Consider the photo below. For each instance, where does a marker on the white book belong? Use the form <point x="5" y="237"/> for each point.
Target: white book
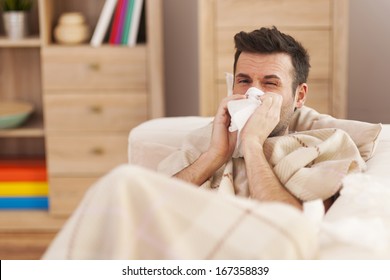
<point x="103" y="22"/>
<point x="135" y="22"/>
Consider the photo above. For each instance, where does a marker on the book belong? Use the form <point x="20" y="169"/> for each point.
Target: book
<point x="23" y="170"/>
<point x="22" y="173"/>
<point x="13" y="189"/>
<point x="21" y="203"/>
<point x="135" y="22"/>
<point x="122" y="22"/>
<point x="103" y="23"/>
<point x="126" y="29"/>
<point x="115" y="28"/>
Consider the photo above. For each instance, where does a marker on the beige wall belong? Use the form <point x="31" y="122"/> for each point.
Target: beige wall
<point x="181" y="57"/>
<point x="369" y="59"/>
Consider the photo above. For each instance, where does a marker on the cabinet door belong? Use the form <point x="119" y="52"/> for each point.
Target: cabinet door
<point x="67" y="193"/>
<point x="94" y="110"/>
<point x="85" y="154"/>
<point x="94" y="68"/>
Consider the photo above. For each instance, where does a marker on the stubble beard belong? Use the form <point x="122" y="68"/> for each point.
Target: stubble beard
<point x="281" y="128"/>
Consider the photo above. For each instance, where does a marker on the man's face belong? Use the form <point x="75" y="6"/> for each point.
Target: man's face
<point x="269" y="73"/>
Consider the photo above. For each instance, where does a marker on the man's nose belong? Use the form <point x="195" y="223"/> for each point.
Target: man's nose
<point x="258" y="86"/>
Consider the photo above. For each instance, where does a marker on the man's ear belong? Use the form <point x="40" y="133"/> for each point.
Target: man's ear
<point x="300" y="95"/>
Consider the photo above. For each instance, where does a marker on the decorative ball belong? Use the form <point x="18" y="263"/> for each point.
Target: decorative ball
<point x="71" y="29"/>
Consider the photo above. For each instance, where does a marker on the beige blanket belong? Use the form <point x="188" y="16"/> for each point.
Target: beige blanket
<point x="310" y="164"/>
<point x="135" y="213"/>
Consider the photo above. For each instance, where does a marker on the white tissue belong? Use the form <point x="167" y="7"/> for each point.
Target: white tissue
<point x="240" y="111"/>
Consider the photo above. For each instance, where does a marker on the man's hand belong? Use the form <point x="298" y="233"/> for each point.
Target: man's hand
<point x="221" y="148"/>
<point x="223" y="141"/>
<point x="264" y="119"/>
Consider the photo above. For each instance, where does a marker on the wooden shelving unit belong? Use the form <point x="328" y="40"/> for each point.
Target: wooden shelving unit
<point x="96" y="89"/>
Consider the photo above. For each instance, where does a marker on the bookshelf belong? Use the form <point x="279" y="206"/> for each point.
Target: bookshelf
<point x="86" y="101"/>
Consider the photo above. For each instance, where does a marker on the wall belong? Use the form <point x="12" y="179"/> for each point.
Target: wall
<point x="369" y="60"/>
<point x="181" y="57"/>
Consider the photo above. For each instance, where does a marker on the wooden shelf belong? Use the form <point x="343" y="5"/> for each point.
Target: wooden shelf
<point x="32" y="128"/>
<point x="30" y="42"/>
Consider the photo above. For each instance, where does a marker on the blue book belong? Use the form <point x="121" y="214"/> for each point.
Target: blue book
<point x="22" y="203"/>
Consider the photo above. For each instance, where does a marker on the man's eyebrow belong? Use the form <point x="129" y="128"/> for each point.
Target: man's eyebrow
<point x="242" y="75"/>
<point x="273" y="76"/>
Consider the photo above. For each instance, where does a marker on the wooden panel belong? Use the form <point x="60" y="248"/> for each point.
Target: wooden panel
<point x="24" y="246"/>
<point x="94" y="68"/>
<point x="298" y="13"/>
<point x="155" y="55"/>
<point x="18" y="82"/>
<point x="339" y="98"/>
<point x="86" y="155"/>
<point x="317" y="42"/>
<point x="66" y="193"/>
<point x="318" y="96"/>
<point x="95" y="111"/>
<point x="29" y="221"/>
<point x="22" y="146"/>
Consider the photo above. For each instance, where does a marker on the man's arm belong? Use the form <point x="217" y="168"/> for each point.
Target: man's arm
<point x="221" y="148"/>
<point x="263" y="183"/>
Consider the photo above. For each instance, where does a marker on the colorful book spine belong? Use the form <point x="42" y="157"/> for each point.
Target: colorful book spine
<point x="122" y="22"/>
<point x="135" y="22"/>
<point x="24" y="189"/>
<point x="115" y="28"/>
<point x="129" y="14"/>
<point x="22" y="203"/>
<point x="23" y="185"/>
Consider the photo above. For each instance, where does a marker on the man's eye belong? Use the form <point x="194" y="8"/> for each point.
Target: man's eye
<point x="243" y="81"/>
<point x="271" y="83"/>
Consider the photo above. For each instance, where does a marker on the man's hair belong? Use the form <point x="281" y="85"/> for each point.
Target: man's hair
<point x="271" y="41"/>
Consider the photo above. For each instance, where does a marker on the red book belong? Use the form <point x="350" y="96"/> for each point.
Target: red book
<point x="116" y="23"/>
<point x="122" y="19"/>
<point x="23" y="170"/>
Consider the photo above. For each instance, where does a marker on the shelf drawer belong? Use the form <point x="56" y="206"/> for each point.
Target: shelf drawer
<point x="297" y="13"/>
<point x="94" y="111"/>
<point x="91" y="154"/>
<point x="94" y="68"/>
<point x="66" y="194"/>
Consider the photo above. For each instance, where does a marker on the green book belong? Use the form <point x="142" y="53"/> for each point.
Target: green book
<point x="129" y="14"/>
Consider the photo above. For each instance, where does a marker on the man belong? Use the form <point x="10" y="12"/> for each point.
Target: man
<point x="278" y="65"/>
